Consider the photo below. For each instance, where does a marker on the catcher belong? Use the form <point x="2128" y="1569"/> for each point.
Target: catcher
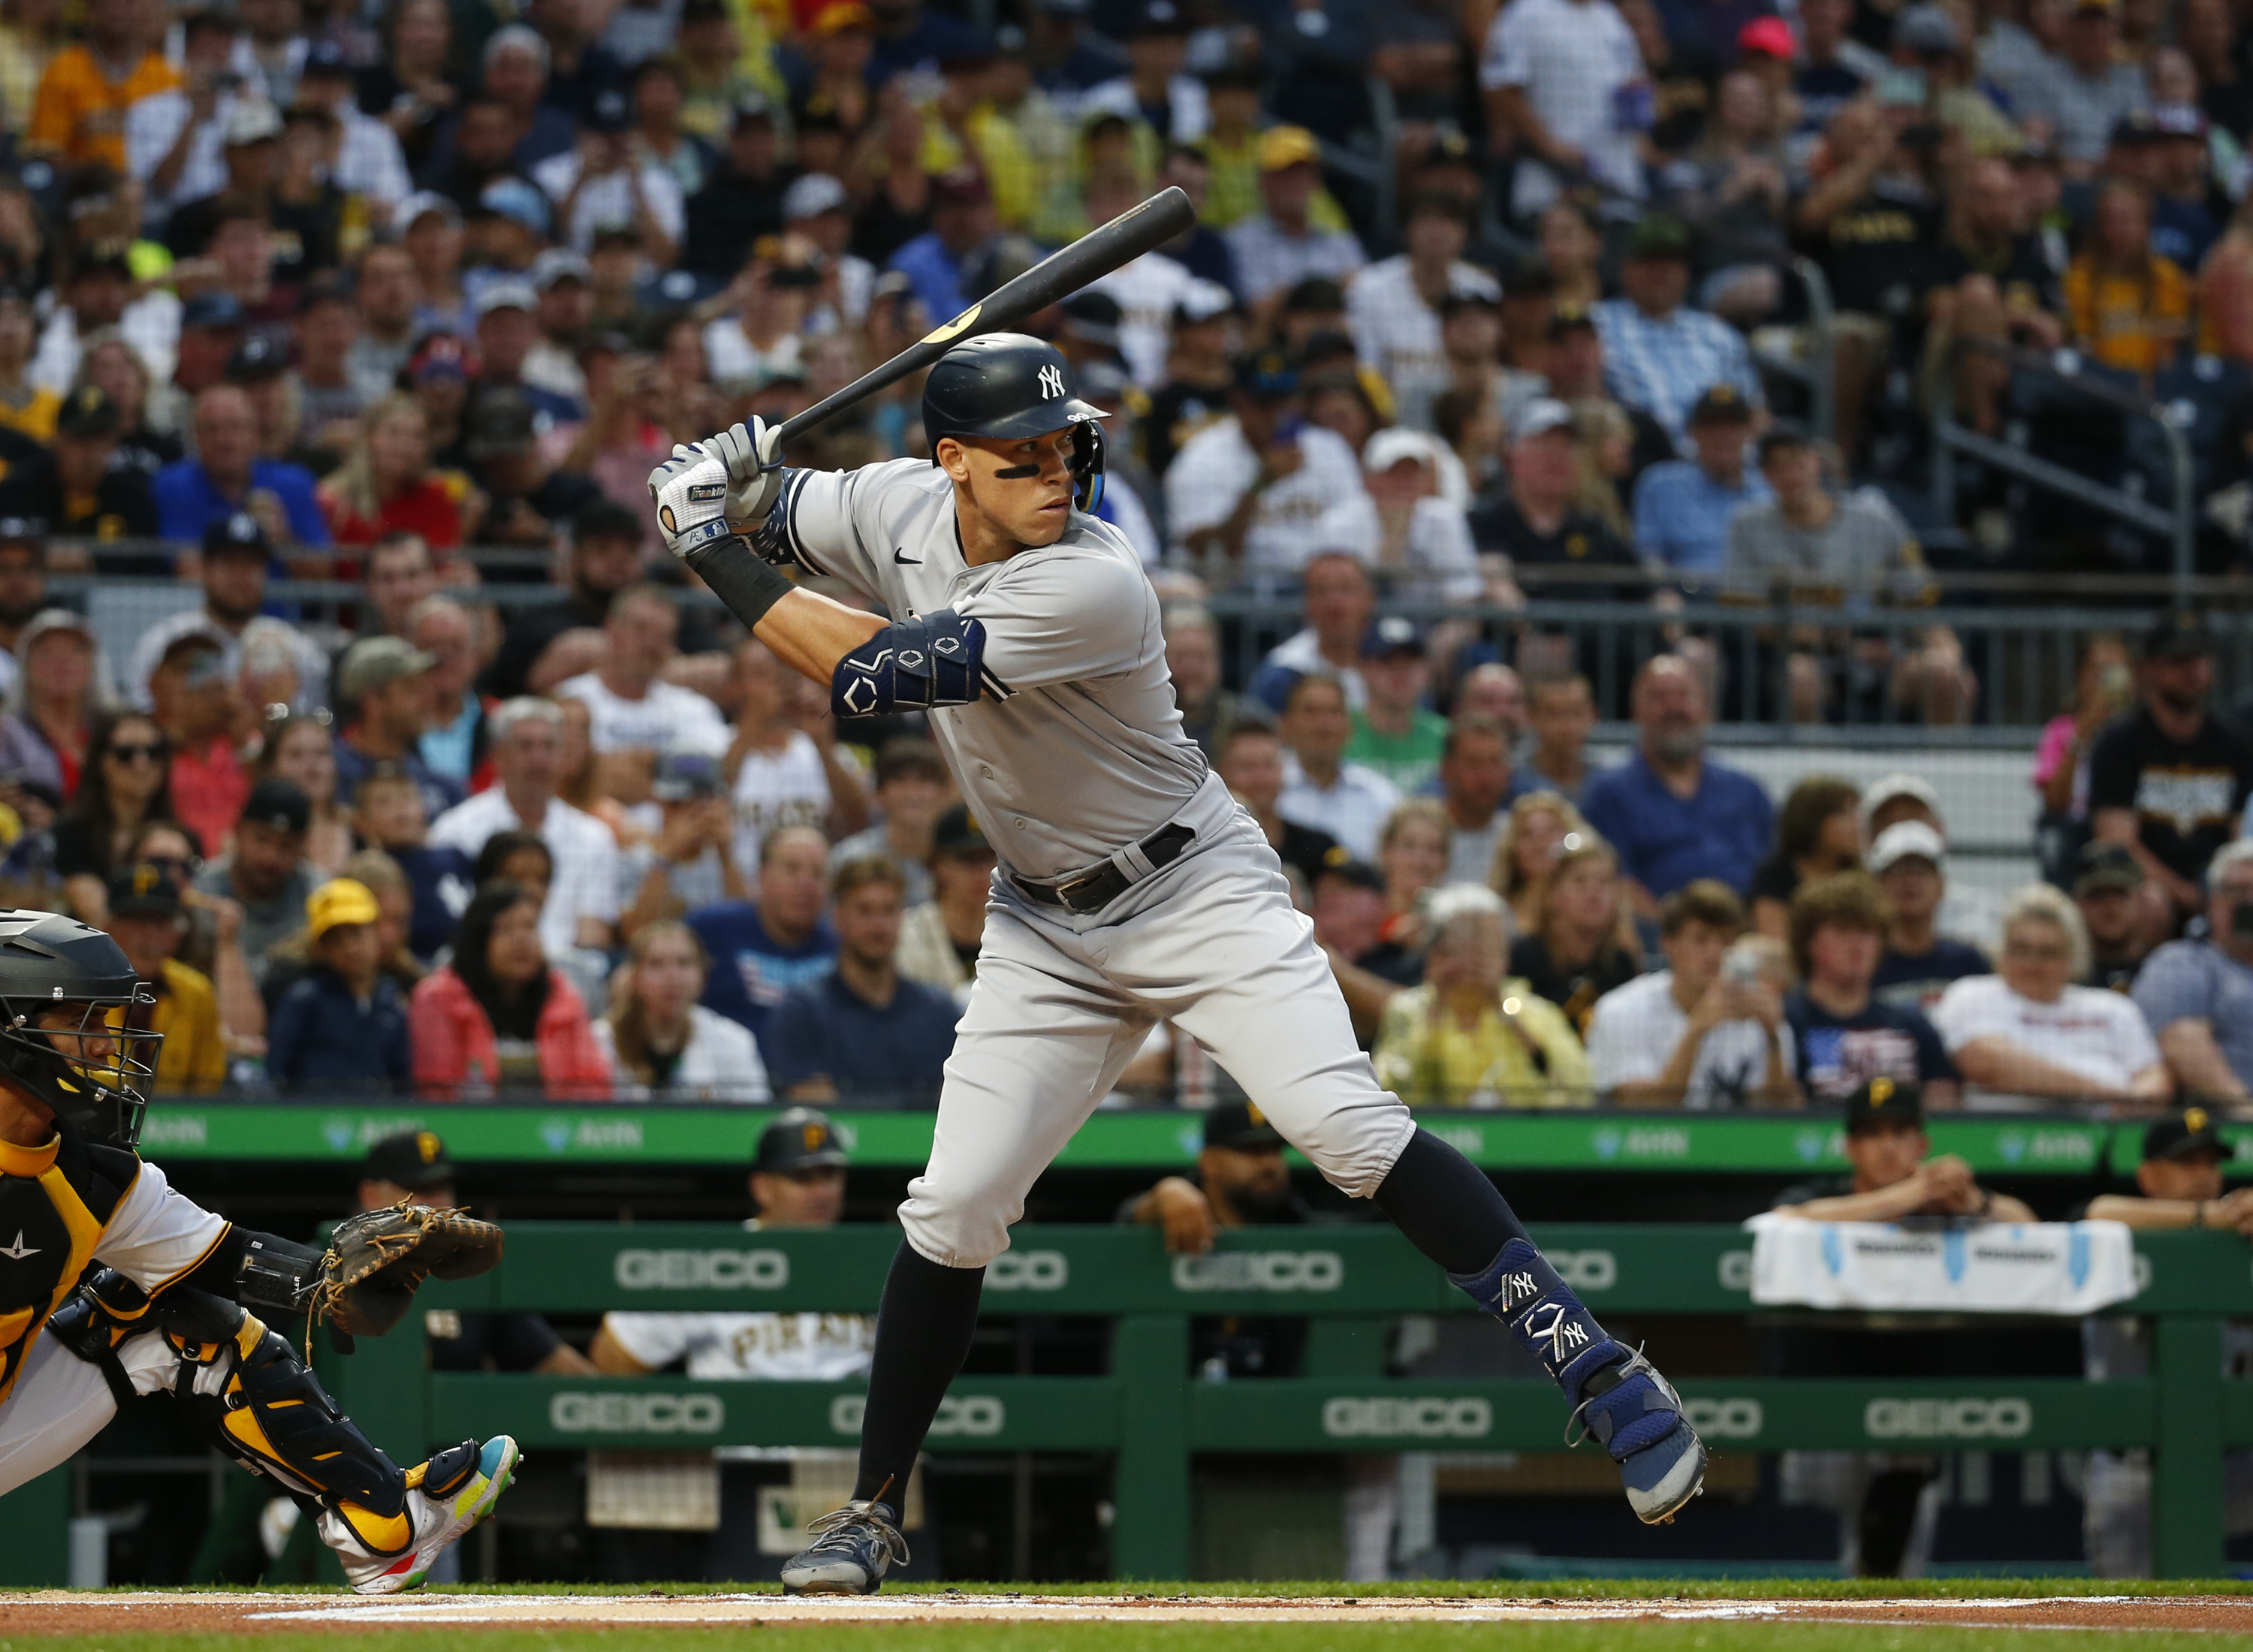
<point x="138" y="1289"/>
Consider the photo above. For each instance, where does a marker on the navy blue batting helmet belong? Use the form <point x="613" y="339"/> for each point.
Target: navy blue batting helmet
<point x="1013" y="386"/>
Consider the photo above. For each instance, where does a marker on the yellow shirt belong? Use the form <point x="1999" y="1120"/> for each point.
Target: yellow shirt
<point x="193" y="1056"/>
<point x="81" y="113"/>
<point x="2137" y="324"/>
<point x="1434" y="1061"/>
<point x="36" y="417"/>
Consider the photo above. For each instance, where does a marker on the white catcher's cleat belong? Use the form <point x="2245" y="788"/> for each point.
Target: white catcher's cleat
<point x="446" y="1496"/>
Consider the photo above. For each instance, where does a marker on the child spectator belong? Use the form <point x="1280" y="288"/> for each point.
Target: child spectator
<point x="498" y="1018"/>
<point x="1846" y="1036"/>
<point x="911" y="789"/>
<point x="663" y="1042"/>
<point x="343" y="1025"/>
<point x="1819" y="831"/>
<point x="1585" y="943"/>
<point x="939" y="939"/>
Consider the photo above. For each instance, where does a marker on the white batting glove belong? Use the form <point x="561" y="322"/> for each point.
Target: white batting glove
<point x="690" y="493"/>
<point x="753" y="457"/>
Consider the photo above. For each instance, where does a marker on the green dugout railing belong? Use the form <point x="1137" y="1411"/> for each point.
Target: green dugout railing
<point x="1154" y="1414"/>
<point x="337" y="1132"/>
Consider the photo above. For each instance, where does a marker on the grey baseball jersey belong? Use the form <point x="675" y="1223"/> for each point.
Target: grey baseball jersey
<point x="1077" y="749"/>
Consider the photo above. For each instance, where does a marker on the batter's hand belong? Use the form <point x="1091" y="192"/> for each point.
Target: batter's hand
<point x="689" y="492"/>
<point x="753" y="457"/>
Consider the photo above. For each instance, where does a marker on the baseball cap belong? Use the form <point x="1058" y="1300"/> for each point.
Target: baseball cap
<point x="1267" y="374"/>
<point x="1925" y="29"/>
<point x="1784" y="433"/>
<point x="260" y="355"/>
<point x="1721" y="404"/>
<point x="325" y="57"/>
<point x="339" y="901"/>
<point x="1159" y="16"/>
<point x="753" y="105"/>
<point x="219" y="308"/>
<point x="507" y="295"/>
<point x="1770" y="37"/>
<point x="54" y="619"/>
<point x="413" y="1159"/>
<point x="278" y="803"/>
<point x="813" y="195"/>
<point x="1891" y="787"/>
<point x="2108" y="866"/>
<point x="956" y="832"/>
<point x="251" y="120"/>
<point x="800" y="1138"/>
<point x="1359" y="873"/>
<point x="1282" y="146"/>
<point x="374" y="661"/>
<point x="518" y="201"/>
<point x="2179" y="1135"/>
<point x="2179" y="634"/>
<point x="1540" y="416"/>
<point x="1881" y="1102"/>
<point x="840" y="15"/>
<point x="682" y="775"/>
<point x="87" y="411"/>
<point x="438" y="356"/>
<point x="1572" y="315"/>
<point x="964" y="186"/>
<point x="2180" y="120"/>
<point x="1393" y="634"/>
<point x="1906" y="840"/>
<point x="560" y="263"/>
<point x="421" y="204"/>
<point x="1240" y="1125"/>
<point x="237" y="533"/>
<point x="503" y="421"/>
<point x="143" y="891"/>
<point x="1658" y="236"/>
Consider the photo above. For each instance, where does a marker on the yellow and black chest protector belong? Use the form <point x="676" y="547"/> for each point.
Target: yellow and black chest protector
<point x="55" y="1201"/>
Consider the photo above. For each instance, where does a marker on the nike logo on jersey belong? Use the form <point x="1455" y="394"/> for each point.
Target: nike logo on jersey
<point x="901" y="556"/>
<point x="19" y="1251"/>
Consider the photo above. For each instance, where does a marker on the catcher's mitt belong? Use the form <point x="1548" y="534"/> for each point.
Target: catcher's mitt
<point x="376" y="1261"/>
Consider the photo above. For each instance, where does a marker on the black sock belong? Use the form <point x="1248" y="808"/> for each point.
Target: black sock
<point x="1446" y="1206"/>
<point x="924" y="1328"/>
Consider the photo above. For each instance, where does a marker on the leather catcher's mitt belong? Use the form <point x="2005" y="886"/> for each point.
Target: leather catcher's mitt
<point x="378" y="1259"/>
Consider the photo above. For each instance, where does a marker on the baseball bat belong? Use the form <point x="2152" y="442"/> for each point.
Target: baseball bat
<point x="1093" y="255"/>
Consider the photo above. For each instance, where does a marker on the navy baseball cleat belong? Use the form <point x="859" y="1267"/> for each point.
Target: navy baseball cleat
<point x="853" y="1547"/>
<point x="1636" y="1416"/>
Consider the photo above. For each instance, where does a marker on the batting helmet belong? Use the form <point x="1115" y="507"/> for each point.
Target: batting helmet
<point x="1011" y="385"/>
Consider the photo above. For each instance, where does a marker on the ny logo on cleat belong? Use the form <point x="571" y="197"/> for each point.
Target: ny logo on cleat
<point x="1565" y="1335"/>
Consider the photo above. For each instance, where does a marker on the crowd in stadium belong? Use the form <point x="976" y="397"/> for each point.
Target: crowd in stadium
<point x="1485" y="305"/>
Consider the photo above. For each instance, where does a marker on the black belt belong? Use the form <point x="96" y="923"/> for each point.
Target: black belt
<point x="1092" y="891"/>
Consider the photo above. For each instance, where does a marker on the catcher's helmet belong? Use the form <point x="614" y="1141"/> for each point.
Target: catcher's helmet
<point x="49" y="962"/>
<point x="1013" y="385"/>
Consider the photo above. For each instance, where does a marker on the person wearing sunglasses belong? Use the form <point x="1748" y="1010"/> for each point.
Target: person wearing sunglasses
<point x="126" y="784"/>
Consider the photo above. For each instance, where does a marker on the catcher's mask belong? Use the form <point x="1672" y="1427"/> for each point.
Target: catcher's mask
<point x="68" y="1002"/>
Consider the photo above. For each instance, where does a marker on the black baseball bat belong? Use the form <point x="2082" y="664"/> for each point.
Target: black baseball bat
<point x="1093" y="255"/>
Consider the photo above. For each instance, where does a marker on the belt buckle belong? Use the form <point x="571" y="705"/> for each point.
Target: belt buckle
<point x="1065" y="890"/>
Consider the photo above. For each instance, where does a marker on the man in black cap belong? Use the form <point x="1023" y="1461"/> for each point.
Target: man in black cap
<point x="2105" y="890"/>
<point x="742" y="201"/>
<point x="237" y="559"/>
<point x="530" y="499"/>
<point x="1893" y="1176"/>
<point x="267" y="873"/>
<point x="147" y="921"/>
<point x="606" y="557"/>
<point x="1661" y="353"/>
<point x="2179" y="1180"/>
<point x="73" y="489"/>
<point x="2169" y="780"/>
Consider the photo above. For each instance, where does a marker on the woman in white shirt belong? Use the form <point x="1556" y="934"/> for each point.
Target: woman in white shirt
<point x="661" y="1042"/>
<point x="2030" y="1032"/>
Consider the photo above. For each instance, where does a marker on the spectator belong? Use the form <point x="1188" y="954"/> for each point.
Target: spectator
<point x="1584" y="945"/>
<point x="742" y="201"/>
<point x="1264" y="491"/>
<point x="498" y="1018"/>
<point x="1671" y="815"/>
<point x="299" y="750"/>
<point x="455" y="745"/>
<point x="1565" y="82"/>
<point x="1193" y="661"/>
<point x="328" y="401"/>
<point x="386" y="293"/>
<point x="1250" y="762"/>
<point x="386" y="682"/>
<point x="144" y="919"/>
<point x="266" y="871"/>
<point x="861" y="1034"/>
<point x="387" y="812"/>
<point x="47" y="734"/>
<point x="1893" y="1175"/>
<point x="1684" y="508"/>
<point x="399" y="575"/>
<point x="1468" y="1037"/>
<point x="126" y="784"/>
<point x="1475" y="783"/>
<point x="195" y="706"/>
<point x="634" y="713"/>
<point x="689" y="863"/>
<point x="939" y="940"/>
<point x="1347" y="801"/>
<point x="783" y="763"/>
<point x="2027" y="1034"/>
<point x="1394" y="305"/>
<point x="1532" y="838"/>
<point x="605" y="557"/>
<point x="911" y="789"/>
<point x="1277" y="248"/>
<point x="1846" y="1036"/>
<point x="1966" y="914"/>
<point x="1395" y="733"/>
<point x="2169" y="780"/>
<point x="236" y="554"/>
<point x="1561" y="712"/>
<point x="1412" y="854"/>
<point x="342" y="1024"/>
<point x="661" y="1042"/>
<point x="1660" y="354"/>
<point x="2104" y="689"/>
<point x="226" y="477"/>
<point x="761" y="949"/>
<point x="88" y="89"/>
<point x="1818" y="831"/>
<point x="2084" y="91"/>
<point x="527" y="750"/>
<point x="75" y="488"/>
<point x="962" y="221"/>
<point x="1424" y="545"/>
<point x="388" y="485"/>
<point x="1339" y="600"/>
<point x="1707" y="1032"/>
<point x="2198" y="995"/>
<point x="1539" y="525"/>
<point x="1910" y="863"/>
<point x="2104" y="893"/>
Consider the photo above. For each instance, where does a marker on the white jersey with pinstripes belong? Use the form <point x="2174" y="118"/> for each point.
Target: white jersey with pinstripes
<point x="1075" y="749"/>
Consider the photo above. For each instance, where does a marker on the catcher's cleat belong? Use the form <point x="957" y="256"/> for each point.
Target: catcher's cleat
<point x="1636" y="1416"/>
<point x="853" y="1548"/>
<point x="446" y="1496"/>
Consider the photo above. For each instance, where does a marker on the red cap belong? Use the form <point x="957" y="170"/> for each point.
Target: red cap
<point x="1769" y="36"/>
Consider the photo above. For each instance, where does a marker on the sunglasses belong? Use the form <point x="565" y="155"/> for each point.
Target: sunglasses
<point x="128" y="752"/>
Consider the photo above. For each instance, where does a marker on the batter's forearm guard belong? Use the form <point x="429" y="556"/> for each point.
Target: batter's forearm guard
<point x="749" y="584"/>
<point x="912" y="665"/>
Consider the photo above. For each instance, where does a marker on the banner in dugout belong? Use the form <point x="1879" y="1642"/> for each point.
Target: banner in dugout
<point x="1994" y="1267"/>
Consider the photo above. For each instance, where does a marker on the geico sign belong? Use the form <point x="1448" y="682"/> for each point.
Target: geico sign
<point x="2007" y="1418"/>
<point x="1724" y="1418"/>
<point x="1585" y="1270"/>
<point x="1028" y="1270"/>
<point x="976" y="1415"/>
<point x="1419" y="1419"/>
<point x="576" y="1413"/>
<point x="694" y="1269"/>
<point x="1260" y="1271"/>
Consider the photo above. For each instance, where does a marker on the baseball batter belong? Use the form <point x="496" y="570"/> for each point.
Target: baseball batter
<point x="1130" y="887"/>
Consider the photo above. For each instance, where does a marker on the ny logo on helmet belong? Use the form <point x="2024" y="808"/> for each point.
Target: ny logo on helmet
<point x="1051" y="383"/>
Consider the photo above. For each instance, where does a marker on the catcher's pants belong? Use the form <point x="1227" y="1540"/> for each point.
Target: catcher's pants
<point x="1063" y="1002"/>
<point x="60" y="1402"/>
